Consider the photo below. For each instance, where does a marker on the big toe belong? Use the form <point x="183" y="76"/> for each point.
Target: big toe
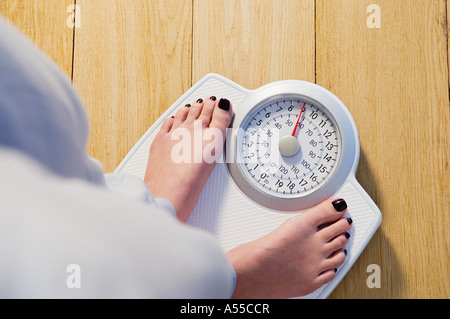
<point x="327" y="212"/>
<point x="222" y="114"/>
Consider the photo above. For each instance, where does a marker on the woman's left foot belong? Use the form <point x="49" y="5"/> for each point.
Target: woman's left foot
<point x="185" y="151"/>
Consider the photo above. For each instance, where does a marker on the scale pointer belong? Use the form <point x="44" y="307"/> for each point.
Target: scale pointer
<point x="298" y="120"/>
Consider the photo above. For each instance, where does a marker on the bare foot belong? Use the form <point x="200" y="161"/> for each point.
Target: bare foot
<point x="297" y="258"/>
<point x="185" y="151"/>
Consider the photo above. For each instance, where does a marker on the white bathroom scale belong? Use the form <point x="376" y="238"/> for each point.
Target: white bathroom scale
<point x="291" y="145"/>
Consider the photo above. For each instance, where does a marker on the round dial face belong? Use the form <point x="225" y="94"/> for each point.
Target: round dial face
<point x="289" y="147"/>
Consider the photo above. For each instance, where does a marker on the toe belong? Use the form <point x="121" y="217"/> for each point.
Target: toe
<point x="207" y="110"/>
<point x="336" y="244"/>
<point x="324" y="278"/>
<point x="222" y="114"/>
<point x="336" y="260"/>
<point x="167" y="125"/>
<point x="195" y="110"/>
<point x="181" y="115"/>
<point x="324" y="213"/>
<point x="341" y="226"/>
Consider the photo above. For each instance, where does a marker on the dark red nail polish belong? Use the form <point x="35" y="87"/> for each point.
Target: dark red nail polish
<point x="347" y="235"/>
<point x="200" y="101"/>
<point x="350" y="221"/>
<point x="224" y="104"/>
<point x="172" y="117"/>
<point x="345" y="252"/>
<point x="187" y="105"/>
<point x="335" y="269"/>
<point x="213" y="98"/>
<point x="340" y="205"/>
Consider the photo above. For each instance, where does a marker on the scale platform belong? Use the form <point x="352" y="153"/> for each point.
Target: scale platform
<point x="226" y="209"/>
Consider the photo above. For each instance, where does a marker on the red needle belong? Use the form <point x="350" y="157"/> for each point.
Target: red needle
<point x="298" y="121"/>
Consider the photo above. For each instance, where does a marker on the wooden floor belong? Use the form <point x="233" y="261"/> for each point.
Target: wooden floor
<point x="130" y="60"/>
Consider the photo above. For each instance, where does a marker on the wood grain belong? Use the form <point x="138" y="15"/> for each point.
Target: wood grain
<point x="132" y="61"/>
<point x="44" y="22"/>
<point x="395" y="82"/>
<point x="254" y="42"/>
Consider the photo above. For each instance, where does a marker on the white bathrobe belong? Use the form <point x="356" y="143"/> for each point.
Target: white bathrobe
<point x="63" y="232"/>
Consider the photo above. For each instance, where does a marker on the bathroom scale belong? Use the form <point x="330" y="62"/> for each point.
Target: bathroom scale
<point x="291" y="145"/>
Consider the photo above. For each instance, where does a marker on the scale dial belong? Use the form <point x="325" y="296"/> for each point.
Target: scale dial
<point x="293" y="145"/>
<point x="289" y="147"/>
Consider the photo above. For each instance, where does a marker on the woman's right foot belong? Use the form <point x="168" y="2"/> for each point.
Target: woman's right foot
<point x="297" y="258"/>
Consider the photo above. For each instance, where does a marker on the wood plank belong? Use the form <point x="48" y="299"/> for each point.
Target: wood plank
<point x="132" y="61"/>
<point x="44" y="22"/>
<point x="254" y="42"/>
<point x="395" y="82"/>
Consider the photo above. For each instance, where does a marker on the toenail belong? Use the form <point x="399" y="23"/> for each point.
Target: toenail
<point x="340" y="205"/>
<point x="335" y="269"/>
<point x="347" y="235"/>
<point x="187" y="105"/>
<point x="345" y="252"/>
<point x="350" y="221"/>
<point x="172" y="117"/>
<point x="200" y="101"/>
<point x="224" y="104"/>
<point x="213" y="98"/>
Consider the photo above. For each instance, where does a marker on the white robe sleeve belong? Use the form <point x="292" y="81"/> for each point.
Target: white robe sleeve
<point x="132" y="187"/>
<point x="57" y="234"/>
<point x="58" y="216"/>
